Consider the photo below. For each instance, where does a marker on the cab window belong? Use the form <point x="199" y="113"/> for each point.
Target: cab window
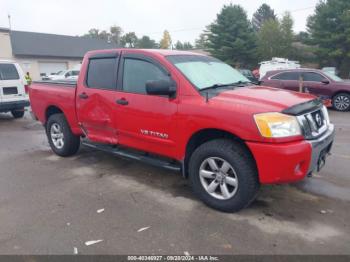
<point x="287" y="76"/>
<point x="314" y="77"/>
<point x="102" y="73"/>
<point x="137" y="72"/>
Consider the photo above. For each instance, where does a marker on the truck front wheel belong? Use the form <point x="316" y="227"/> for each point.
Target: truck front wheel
<point x="224" y="175"/>
<point x="61" y="139"/>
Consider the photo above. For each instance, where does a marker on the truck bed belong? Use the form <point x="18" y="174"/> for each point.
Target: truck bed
<point x="54" y="95"/>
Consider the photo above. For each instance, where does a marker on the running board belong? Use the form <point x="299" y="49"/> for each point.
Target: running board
<point x="141" y="157"/>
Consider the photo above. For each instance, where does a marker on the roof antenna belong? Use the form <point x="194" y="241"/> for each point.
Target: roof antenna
<point x="9" y="18"/>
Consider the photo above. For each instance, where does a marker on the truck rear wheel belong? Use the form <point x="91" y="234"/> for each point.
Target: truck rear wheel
<point x="18" y="113"/>
<point x="61" y="139"/>
<point x="224" y="175"/>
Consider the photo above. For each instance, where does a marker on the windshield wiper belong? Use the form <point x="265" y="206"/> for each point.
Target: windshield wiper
<point x="215" y="86"/>
<point x="240" y="83"/>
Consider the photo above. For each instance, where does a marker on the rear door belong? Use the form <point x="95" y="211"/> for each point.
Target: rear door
<point x="289" y="80"/>
<point x="96" y="99"/>
<point x="11" y="83"/>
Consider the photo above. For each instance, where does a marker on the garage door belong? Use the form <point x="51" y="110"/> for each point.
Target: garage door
<point x="48" y="68"/>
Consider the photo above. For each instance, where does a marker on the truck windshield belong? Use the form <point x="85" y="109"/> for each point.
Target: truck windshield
<point x="204" y="71"/>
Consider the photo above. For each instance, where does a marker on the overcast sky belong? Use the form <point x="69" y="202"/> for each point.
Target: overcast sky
<point x="185" y="19"/>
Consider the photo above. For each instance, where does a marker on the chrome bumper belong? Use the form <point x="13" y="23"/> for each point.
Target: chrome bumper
<point x="321" y="147"/>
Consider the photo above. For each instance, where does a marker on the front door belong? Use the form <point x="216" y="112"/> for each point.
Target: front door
<point x="96" y="96"/>
<point x="146" y="122"/>
<point x="290" y="80"/>
<point x="313" y="83"/>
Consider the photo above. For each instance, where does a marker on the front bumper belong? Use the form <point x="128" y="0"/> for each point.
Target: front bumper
<point x="290" y="162"/>
<point x="13" y="105"/>
<point x="322" y="145"/>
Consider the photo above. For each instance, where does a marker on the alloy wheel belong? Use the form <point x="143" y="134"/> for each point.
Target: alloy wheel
<point x="57" y="136"/>
<point x="218" y="178"/>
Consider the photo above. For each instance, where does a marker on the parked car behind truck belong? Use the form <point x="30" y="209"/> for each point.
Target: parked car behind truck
<point x="316" y="82"/>
<point x="13" y="97"/>
<point x="187" y="112"/>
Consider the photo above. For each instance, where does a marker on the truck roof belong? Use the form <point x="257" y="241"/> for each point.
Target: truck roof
<point x="162" y="52"/>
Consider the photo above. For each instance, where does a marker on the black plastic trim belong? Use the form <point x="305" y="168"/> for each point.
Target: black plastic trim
<point x="70" y="83"/>
<point x="304" y="108"/>
<point x="8" y="106"/>
<point x="138" y="156"/>
<point x="105" y="55"/>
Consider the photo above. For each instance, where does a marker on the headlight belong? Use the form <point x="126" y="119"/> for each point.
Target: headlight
<point x="273" y="125"/>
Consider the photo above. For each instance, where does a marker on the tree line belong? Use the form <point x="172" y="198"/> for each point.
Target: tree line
<point x="234" y="38"/>
<point x="244" y="42"/>
<point x="116" y="35"/>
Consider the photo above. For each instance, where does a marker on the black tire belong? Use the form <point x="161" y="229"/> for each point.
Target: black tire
<point x="243" y="164"/>
<point x="18" y="113"/>
<point x="341" y="102"/>
<point x="71" y="142"/>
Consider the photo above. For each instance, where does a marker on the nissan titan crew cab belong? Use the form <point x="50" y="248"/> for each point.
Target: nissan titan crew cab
<point x="191" y="113"/>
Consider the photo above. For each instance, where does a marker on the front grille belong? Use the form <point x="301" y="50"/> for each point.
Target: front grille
<point x="314" y="123"/>
<point x="10" y="91"/>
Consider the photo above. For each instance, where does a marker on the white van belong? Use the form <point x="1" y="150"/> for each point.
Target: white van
<point x="13" y="97"/>
<point x="277" y="64"/>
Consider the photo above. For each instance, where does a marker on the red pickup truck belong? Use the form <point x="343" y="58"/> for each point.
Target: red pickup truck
<point x="187" y="112"/>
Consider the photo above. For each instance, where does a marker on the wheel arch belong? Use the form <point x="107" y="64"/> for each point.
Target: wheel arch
<point x="205" y="135"/>
<point x="340" y="92"/>
<point x="51" y="110"/>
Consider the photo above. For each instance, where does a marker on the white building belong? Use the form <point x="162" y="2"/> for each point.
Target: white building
<point x="42" y="54"/>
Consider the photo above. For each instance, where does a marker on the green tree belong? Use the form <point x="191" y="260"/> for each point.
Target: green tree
<point x="96" y="33"/>
<point x="146" y="42"/>
<point x="263" y="14"/>
<point x="183" y="46"/>
<point x="165" y="42"/>
<point x="113" y="35"/>
<point x="231" y="37"/>
<point x="287" y="34"/>
<point x="275" y="38"/>
<point x="93" y="33"/>
<point x="201" y="41"/>
<point x="179" y="45"/>
<point x="129" y="40"/>
<point x="329" y="30"/>
<point x="270" y="40"/>
<point x="187" y="46"/>
<point x="116" y="34"/>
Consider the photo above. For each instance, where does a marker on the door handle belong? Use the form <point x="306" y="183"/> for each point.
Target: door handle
<point x="122" y="102"/>
<point x="83" y="96"/>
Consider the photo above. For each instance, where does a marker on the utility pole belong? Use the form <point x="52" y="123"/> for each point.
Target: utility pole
<point x="9" y="17"/>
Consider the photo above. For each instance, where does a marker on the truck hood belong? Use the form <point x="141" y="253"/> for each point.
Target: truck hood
<point x="263" y="99"/>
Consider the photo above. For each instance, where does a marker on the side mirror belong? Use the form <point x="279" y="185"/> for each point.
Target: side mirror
<point x="325" y="81"/>
<point x="161" y="87"/>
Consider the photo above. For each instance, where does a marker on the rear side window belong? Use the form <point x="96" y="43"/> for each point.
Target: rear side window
<point x="102" y="73"/>
<point x="137" y="72"/>
<point x="314" y="77"/>
<point x="287" y="76"/>
<point x="8" y="72"/>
